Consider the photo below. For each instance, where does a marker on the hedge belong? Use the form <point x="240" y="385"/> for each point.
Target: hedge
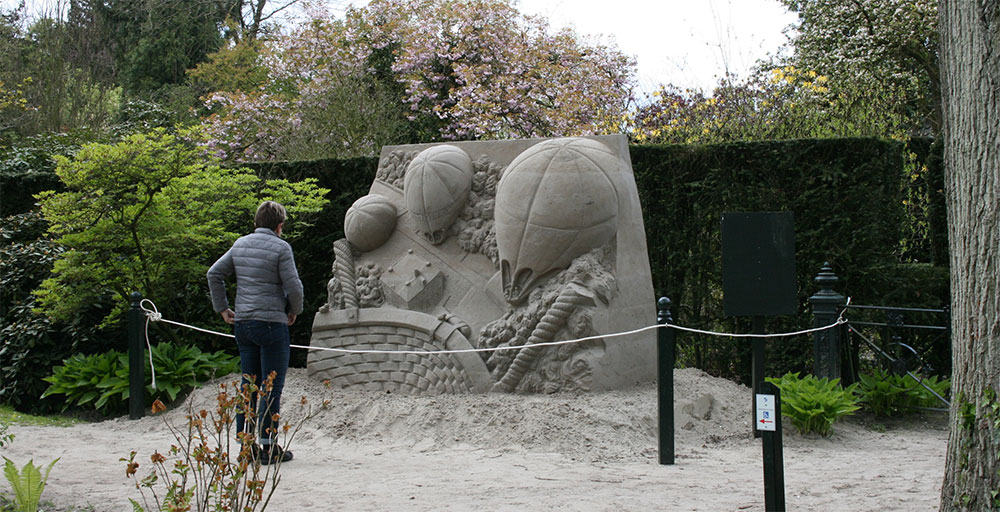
<point x="846" y="197"/>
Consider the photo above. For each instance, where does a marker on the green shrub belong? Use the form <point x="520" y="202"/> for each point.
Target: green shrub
<point x="27" y="167"/>
<point x="923" y="397"/>
<point x="101" y="381"/>
<point x="31" y="343"/>
<point x="888" y="394"/>
<point x="814" y="404"/>
<point x="881" y="395"/>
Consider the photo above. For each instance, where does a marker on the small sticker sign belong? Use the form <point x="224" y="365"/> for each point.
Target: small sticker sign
<point x="765" y="412"/>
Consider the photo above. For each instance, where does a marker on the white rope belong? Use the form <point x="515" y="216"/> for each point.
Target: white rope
<point x="839" y="321"/>
<point x="153" y="315"/>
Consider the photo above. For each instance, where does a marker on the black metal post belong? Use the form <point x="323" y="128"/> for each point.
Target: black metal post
<point x="136" y="362"/>
<point x="774" y="465"/>
<point x="758" y="362"/>
<point x="666" y="339"/>
<point x="826" y="344"/>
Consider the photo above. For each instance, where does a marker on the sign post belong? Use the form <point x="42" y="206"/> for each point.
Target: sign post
<point x="768" y="423"/>
<point x="758" y="274"/>
<point x="136" y="362"/>
<point x="665" y="346"/>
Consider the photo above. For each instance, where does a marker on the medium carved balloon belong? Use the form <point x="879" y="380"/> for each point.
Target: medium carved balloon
<point x="557" y="200"/>
<point x="436" y="188"/>
<point x="369" y="222"/>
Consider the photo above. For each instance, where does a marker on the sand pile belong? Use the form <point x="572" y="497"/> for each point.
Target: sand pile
<point x="597" y="451"/>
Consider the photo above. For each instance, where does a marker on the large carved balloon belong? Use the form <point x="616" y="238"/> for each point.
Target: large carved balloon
<point x="436" y="188"/>
<point x="556" y="201"/>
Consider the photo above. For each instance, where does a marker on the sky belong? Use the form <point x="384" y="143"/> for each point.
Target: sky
<point x="687" y="43"/>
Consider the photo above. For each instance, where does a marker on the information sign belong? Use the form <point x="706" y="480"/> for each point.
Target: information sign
<point x="765" y="412"/>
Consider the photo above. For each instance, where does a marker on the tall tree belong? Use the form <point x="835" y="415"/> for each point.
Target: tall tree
<point x="249" y="19"/>
<point x="49" y="63"/>
<point x="407" y="71"/>
<point x="155" y="41"/>
<point x="970" y="57"/>
<point x="483" y="70"/>
<point x="889" y="47"/>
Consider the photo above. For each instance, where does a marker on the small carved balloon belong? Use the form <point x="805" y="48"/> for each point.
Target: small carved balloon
<point x="369" y="222"/>
<point x="557" y="200"/>
<point x="436" y="188"/>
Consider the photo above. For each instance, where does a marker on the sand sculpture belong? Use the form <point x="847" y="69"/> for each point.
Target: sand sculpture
<point x="491" y="244"/>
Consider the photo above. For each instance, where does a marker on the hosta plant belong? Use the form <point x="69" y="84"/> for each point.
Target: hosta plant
<point x="101" y="381"/>
<point x="814" y="404"/>
<point x="888" y="394"/>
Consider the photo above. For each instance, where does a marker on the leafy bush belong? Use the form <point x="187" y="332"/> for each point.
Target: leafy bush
<point x="814" y="404"/>
<point x="5" y="437"/>
<point x="27" y="167"/>
<point x="925" y="398"/>
<point x="888" y="394"/>
<point x="32" y="343"/>
<point x="101" y="381"/>
<point x="158" y="234"/>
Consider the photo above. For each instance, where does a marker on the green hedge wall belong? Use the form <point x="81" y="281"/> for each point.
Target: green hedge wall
<point x="844" y="194"/>
<point x="846" y="198"/>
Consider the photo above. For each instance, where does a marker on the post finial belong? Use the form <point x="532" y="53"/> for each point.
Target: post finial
<point x="663" y="310"/>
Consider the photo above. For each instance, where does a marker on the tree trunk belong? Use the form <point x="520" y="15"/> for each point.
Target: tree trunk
<point x="970" y="62"/>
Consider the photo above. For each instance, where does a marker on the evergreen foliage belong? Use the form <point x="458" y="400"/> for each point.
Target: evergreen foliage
<point x="844" y="194"/>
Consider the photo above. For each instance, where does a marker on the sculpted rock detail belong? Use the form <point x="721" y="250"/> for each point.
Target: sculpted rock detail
<point x="369" y="222"/>
<point x="556" y="201"/>
<point x="436" y="188"/>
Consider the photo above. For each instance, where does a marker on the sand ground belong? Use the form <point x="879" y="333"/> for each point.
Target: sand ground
<point x="371" y="451"/>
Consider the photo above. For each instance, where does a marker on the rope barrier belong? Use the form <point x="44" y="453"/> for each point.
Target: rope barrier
<point x="155" y="316"/>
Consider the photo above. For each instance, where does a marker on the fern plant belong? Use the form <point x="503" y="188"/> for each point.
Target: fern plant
<point x="28" y="483"/>
<point x="814" y="404"/>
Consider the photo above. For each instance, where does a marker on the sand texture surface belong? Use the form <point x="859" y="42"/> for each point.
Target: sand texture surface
<point x="371" y="451"/>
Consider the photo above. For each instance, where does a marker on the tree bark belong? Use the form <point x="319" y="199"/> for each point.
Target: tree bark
<point x="970" y="62"/>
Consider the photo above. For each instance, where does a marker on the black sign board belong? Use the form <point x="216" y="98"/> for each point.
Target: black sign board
<point x="758" y="264"/>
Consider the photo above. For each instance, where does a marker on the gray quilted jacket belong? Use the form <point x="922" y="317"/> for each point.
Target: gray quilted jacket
<point x="267" y="285"/>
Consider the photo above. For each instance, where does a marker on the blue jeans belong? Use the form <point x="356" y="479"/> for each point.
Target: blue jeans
<point x="264" y="348"/>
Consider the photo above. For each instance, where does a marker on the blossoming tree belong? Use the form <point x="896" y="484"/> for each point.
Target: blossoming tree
<point x="397" y="71"/>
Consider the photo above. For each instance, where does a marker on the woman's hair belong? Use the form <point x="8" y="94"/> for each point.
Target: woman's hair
<point x="269" y="215"/>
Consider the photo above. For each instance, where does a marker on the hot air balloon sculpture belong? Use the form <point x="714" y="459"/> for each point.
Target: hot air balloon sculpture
<point x="436" y="188"/>
<point x="556" y="201"/>
<point x="369" y="222"/>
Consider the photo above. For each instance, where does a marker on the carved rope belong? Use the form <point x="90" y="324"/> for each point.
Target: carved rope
<point x="555" y="318"/>
<point x="343" y="269"/>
